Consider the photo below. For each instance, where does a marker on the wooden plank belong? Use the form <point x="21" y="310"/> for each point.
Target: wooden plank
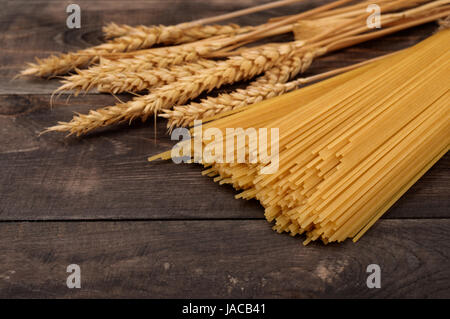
<point x="102" y="176"/>
<point x="220" y="259"/>
<point x="26" y="35"/>
<point x="106" y="175"/>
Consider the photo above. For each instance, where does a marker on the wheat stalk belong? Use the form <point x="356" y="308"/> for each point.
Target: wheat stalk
<point x="142" y="71"/>
<point x="57" y="65"/>
<point x="248" y="64"/>
<point x="260" y="89"/>
<point x="139" y="81"/>
<point x="141" y="61"/>
<point x="173" y="34"/>
<point x="115" y="82"/>
<point x="64" y="63"/>
<point x="114" y="30"/>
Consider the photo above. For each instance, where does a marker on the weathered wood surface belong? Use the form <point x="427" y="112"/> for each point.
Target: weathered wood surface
<point x="106" y="175"/>
<point x="220" y="259"/>
<point x="160" y="229"/>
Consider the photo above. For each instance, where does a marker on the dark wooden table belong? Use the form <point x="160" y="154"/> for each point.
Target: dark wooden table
<point x="157" y="230"/>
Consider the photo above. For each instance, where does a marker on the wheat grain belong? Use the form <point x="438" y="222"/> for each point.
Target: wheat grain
<point x="248" y="64"/>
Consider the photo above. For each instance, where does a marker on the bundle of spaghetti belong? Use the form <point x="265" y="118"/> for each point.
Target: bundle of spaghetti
<point x="348" y="147"/>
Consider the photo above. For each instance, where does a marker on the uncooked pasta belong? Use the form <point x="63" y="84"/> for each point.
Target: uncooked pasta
<point x="348" y="146"/>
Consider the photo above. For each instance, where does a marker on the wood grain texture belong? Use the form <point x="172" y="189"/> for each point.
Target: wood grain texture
<point x="220" y="259"/>
<point x="106" y="175"/>
<point x="161" y="230"/>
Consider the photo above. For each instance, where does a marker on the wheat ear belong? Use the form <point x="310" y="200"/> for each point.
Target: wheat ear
<point x="173" y="34"/>
<point x="130" y="81"/>
<point x="64" y="63"/>
<point x="248" y="64"/>
<point x="139" y="81"/>
<point x="83" y="80"/>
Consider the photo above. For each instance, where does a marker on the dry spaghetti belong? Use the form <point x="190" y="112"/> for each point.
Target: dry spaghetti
<point x="349" y="146"/>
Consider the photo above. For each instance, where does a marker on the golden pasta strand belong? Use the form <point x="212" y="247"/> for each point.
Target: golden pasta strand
<point x="349" y="146"/>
